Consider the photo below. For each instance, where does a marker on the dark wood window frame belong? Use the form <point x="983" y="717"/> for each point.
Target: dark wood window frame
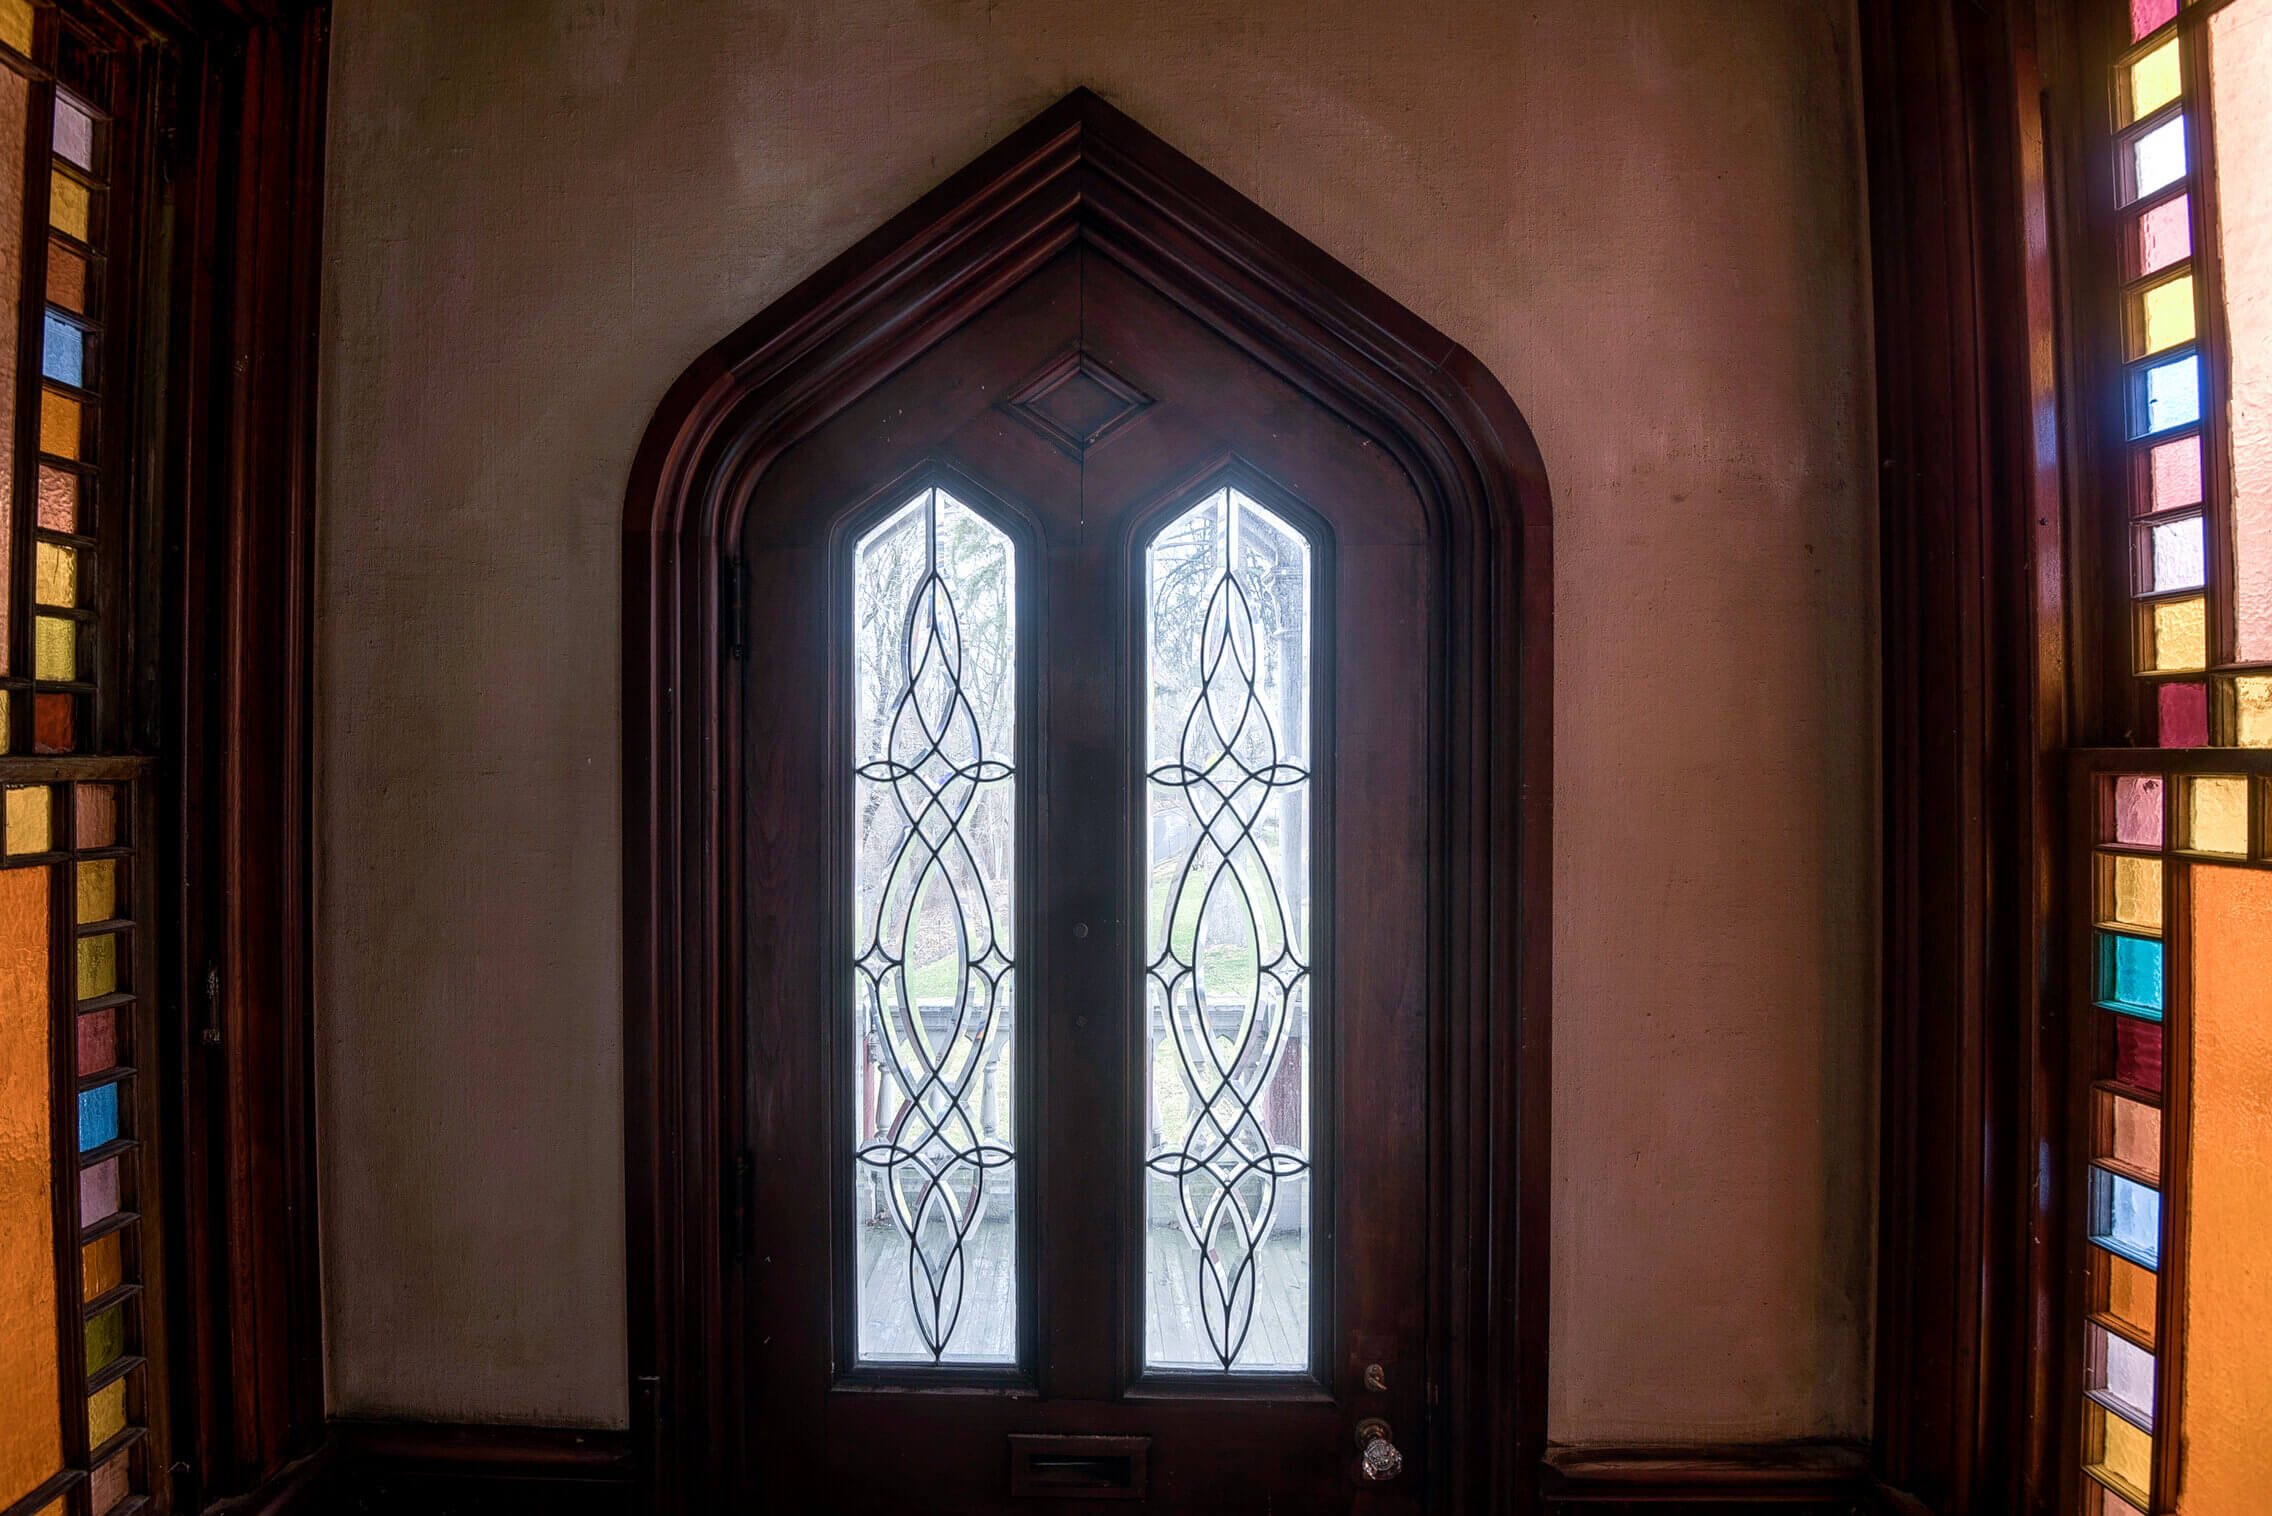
<point x="1082" y="171"/>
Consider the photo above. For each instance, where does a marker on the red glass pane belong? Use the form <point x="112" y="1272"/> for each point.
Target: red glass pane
<point x="2165" y="235"/>
<point x="98" y="1041"/>
<point x="2138" y="1053"/>
<point x="2175" y="470"/>
<point x="97" y="815"/>
<point x="51" y="724"/>
<point x="2184" y="715"/>
<point x="2146" y="15"/>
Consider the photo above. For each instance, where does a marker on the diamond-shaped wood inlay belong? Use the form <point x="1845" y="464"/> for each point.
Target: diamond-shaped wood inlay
<point x="1076" y="402"/>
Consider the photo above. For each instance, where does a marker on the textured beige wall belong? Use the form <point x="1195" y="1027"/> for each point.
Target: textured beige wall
<point x="1643" y="215"/>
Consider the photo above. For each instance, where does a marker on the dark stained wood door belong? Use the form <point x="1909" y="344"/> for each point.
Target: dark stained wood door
<point x="1081" y="415"/>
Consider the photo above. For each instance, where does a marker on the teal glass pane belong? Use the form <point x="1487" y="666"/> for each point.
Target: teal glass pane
<point x="2168" y="395"/>
<point x="2126" y="1218"/>
<point x="98" y="1116"/>
<point x="2130" y="974"/>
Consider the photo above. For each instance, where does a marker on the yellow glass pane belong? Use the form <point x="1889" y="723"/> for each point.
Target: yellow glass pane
<point x="55" y="648"/>
<point x="69" y="207"/>
<point x="2181" y="635"/>
<point x="2252" y="699"/>
<point x="98" y="889"/>
<point x="100" y="1269"/>
<point x="28" y="819"/>
<point x="2155" y="80"/>
<point x="2228" y="1296"/>
<point x="31" y="1422"/>
<point x="2217" y="815"/>
<point x="16" y="25"/>
<point x="55" y="574"/>
<point x="106" y="1413"/>
<point x="2165" y="316"/>
<point x="3" y="721"/>
<point x="2113" y="1447"/>
<point x="98" y="966"/>
<point x="2130" y="890"/>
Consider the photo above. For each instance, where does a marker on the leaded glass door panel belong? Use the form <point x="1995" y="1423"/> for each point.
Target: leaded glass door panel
<point x="1085" y="813"/>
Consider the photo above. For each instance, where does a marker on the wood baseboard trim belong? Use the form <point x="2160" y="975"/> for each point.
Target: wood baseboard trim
<point x="1801" y="1478"/>
<point x="424" y="1468"/>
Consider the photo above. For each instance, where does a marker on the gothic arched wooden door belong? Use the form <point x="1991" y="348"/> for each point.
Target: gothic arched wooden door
<point x="1087" y="881"/>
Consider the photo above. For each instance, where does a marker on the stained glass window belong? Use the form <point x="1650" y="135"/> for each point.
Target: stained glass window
<point x="76" y="1389"/>
<point x="1228" y="647"/>
<point x="2173" y="1052"/>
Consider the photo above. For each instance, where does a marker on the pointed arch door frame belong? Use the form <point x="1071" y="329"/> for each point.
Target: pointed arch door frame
<point x="1082" y="172"/>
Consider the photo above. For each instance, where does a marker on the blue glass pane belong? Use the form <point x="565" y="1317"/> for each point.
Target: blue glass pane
<point x="98" y="1116"/>
<point x="2130" y="974"/>
<point x="2126" y="1218"/>
<point x="2158" y="158"/>
<point x="64" y="355"/>
<point x="2170" y="395"/>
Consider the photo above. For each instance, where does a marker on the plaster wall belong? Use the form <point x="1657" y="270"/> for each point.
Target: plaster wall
<point x="1644" y="215"/>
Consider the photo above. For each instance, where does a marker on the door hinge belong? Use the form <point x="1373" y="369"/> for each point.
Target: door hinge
<point x="737" y="635"/>
<point x="210" y="1033"/>
<point x="739" y="1194"/>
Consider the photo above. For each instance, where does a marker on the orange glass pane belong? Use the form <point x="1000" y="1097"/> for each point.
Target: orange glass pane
<point x="16" y="25"/>
<point x="2228" y="1288"/>
<point x="97" y="815"/>
<point x="2240" y="82"/>
<point x="31" y="1424"/>
<point x="60" y="424"/>
<point x="2216" y="815"/>
<point x="70" y="208"/>
<point x="58" y="500"/>
<point x="2124" y="1291"/>
<point x="100" y="1269"/>
<point x="2130" y="891"/>
<point x="67" y="273"/>
<point x="98" y="890"/>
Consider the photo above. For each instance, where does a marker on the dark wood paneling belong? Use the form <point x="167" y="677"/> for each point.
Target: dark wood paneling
<point x="1972" y="563"/>
<point x="1083" y="172"/>
<point x="385" y="1468"/>
<point x="1803" y="1478"/>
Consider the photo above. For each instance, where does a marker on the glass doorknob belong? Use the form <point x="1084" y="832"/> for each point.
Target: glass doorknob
<point x="1378" y="1461"/>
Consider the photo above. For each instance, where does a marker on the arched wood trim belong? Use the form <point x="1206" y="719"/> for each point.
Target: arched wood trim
<point x="1082" y="171"/>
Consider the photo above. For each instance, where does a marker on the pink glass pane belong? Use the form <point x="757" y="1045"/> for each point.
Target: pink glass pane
<point x="2138" y="810"/>
<point x="2185" y="715"/>
<point x="2165" y="235"/>
<point x="98" y="1192"/>
<point x="2138" y="1053"/>
<point x="2146" y="15"/>
<point x="2240" y="84"/>
<point x="2176" y="474"/>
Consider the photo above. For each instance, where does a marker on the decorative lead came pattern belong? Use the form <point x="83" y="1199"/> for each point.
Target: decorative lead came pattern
<point x="1228" y="642"/>
<point x="934" y="716"/>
